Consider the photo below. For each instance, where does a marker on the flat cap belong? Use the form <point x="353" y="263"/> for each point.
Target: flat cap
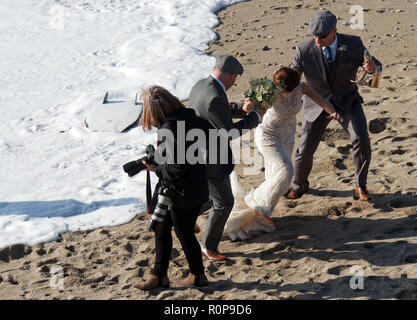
<point x="322" y="23"/>
<point x="227" y="63"/>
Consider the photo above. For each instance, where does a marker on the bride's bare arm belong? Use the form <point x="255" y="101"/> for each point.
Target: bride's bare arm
<point x="317" y="98"/>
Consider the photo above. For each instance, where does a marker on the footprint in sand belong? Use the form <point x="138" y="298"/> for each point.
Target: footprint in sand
<point x="335" y="211"/>
<point x="331" y="135"/>
<point x="403" y="202"/>
<point x="345" y="180"/>
<point x="128" y="247"/>
<point x="46" y="262"/>
<point x="212" y="268"/>
<point x="378" y="125"/>
<point x="96" y="281"/>
<point x="41" y="251"/>
<point x="230" y="262"/>
<point x="272" y="250"/>
<point x="17" y="251"/>
<point x="70" y="271"/>
<point x="399" y="121"/>
<point x="143" y="263"/>
<point x="338" y="163"/>
<point x="133" y="237"/>
<point x="12" y="280"/>
<point x="70" y="248"/>
<point x="397" y="139"/>
<point x="398" y="151"/>
<point x="112" y="281"/>
<point x="337" y="270"/>
<point x="141" y="272"/>
<point x="291" y="204"/>
<point x="45" y="270"/>
<point x="345" y="150"/>
<point x="374" y="171"/>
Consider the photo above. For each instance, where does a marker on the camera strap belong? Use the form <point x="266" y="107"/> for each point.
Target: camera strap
<point x="148" y="192"/>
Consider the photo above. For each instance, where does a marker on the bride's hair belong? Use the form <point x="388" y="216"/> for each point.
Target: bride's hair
<point x="290" y="78"/>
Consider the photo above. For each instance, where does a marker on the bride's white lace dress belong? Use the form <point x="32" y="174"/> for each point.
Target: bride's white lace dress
<point x="274" y="138"/>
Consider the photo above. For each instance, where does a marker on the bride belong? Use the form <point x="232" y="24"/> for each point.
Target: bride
<point x="274" y="138"/>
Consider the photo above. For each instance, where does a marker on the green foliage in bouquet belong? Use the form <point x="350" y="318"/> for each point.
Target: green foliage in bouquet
<point x="263" y="92"/>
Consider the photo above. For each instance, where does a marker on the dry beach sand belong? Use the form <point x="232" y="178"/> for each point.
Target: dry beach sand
<point x="319" y="237"/>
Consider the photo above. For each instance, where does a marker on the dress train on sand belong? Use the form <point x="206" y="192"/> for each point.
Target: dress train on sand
<point x="244" y="222"/>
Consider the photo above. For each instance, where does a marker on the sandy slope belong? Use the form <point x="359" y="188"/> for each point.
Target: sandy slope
<point x="319" y="237"/>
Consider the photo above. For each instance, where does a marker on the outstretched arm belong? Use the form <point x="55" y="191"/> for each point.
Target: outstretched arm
<point x="317" y="98"/>
<point x="297" y="61"/>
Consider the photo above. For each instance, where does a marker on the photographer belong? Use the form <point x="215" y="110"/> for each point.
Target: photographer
<point x="186" y="182"/>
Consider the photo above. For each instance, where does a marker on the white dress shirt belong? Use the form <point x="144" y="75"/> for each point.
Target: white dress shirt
<point x="219" y="82"/>
<point x="333" y="48"/>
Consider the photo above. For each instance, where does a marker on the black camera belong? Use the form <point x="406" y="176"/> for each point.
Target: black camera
<point x="163" y="206"/>
<point x="134" y="167"/>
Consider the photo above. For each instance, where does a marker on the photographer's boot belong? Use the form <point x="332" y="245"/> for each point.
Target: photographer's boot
<point x="153" y="282"/>
<point x="198" y="281"/>
<point x="196" y="228"/>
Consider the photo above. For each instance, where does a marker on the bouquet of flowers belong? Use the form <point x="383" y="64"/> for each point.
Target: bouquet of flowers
<point x="263" y="92"/>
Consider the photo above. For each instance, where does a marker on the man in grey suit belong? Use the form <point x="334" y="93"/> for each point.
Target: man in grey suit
<point x="330" y="61"/>
<point x="208" y="99"/>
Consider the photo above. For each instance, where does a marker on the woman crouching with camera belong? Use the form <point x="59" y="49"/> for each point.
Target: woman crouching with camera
<point x="184" y="184"/>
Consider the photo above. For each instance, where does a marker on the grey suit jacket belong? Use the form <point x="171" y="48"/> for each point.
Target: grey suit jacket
<point x="210" y="103"/>
<point x="341" y="92"/>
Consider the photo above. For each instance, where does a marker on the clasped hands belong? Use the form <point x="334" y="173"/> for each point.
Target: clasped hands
<point x="335" y="116"/>
<point x="248" y="106"/>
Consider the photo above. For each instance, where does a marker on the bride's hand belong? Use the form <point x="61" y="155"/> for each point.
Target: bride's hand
<point x="248" y="105"/>
<point x="335" y="116"/>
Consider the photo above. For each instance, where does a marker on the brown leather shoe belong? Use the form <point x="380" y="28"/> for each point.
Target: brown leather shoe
<point x="198" y="281"/>
<point x="361" y="194"/>
<point x="153" y="282"/>
<point x="212" y="255"/>
<point x="294" y="194"/>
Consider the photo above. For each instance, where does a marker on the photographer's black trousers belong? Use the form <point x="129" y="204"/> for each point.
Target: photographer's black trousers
<point x="183" y="221"/>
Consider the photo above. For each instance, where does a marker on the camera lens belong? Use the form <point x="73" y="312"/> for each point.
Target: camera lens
<point x="163" y="206"/>
<point x="133" y="167"/>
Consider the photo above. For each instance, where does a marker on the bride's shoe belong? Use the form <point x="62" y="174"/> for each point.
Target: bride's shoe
<point x="266" y="219"/>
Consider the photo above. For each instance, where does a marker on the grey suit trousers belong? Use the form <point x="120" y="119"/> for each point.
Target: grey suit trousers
<point x="222" y="199"/>
<point x="355" y="123"/>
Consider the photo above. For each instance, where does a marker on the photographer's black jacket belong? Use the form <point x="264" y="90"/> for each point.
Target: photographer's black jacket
<point x="190" y="181"/>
